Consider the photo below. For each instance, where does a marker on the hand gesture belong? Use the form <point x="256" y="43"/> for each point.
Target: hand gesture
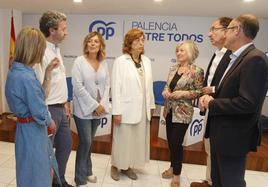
<point x="166" y="93"/>
<point x="177" y="94"/>
<point x="204" y="102"/>
<point x="68" y="110"/>
<point x="117" y="119"/>
<point x="99" y="110"/>
<point x="55" y="62"/>
<point x="52" y="128"/>
<point x="207" y="90"/>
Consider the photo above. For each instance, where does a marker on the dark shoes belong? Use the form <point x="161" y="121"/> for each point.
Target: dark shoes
<point x="65" y="184"/>
<point x="129" y="172"/>
<point x="200" y="184"/>
<point x="115" y="173"/>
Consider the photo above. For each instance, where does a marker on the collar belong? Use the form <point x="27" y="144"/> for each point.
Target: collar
<point x="18" y="65"/>
<point x="129" y="57"/>
<point x="221" y="51"/>
<point x="51" y="45"/>
<point x="238" y="52"/>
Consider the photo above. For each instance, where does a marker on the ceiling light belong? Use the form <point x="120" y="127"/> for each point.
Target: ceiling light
<point x="247" y="1"/>
<point x="158" y="1"/>
<point x="77" y="1"/>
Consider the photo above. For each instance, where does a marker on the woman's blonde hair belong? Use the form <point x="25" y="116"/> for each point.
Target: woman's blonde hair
<point x="101" y="53"/>
<point x="191" y="49"/>
<point x="30" y="46"/>
<point x="131" y="35"/>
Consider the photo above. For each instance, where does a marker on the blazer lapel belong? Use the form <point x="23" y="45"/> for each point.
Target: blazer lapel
<point x="236" y="63"/>
<point x="133" y="69"/>
<point x="223" y="64"/>
<point x="208" y="69"/>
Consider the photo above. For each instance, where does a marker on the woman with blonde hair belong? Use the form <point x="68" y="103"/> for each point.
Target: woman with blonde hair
<point x="184" y="84"/>
<point x="91" y="85"/>
<point x="26" y="99"/>
<point x="132" y="102"/>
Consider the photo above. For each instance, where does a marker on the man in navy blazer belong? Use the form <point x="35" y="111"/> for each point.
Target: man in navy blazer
<point x="215" y="70"/>
<point x="234" y="110"/>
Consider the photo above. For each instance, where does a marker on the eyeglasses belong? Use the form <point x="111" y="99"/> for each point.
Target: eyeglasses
<point x="231" y="28"/>
<point x="214" y="29"/>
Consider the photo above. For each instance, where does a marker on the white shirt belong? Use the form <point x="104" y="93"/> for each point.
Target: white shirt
<point x="86" y="84"/>
<point x="58" y="91"/>
<point x="218" y="56"/>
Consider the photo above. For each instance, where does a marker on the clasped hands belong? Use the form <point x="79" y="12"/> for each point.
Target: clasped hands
<point x="174" y="95"/>
<point x="99" y="110"/>
<point x="204" y="102"/>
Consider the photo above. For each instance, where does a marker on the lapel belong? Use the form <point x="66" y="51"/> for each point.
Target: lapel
<point x="208" y="69"/>
<point x="236" y="63"/>
<point x="223" y="64"/>
<point x="133" y="68"/>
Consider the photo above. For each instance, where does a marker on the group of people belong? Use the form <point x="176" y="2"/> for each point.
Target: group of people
<point x="233" y="92"/>
<point x="231" y="95"/>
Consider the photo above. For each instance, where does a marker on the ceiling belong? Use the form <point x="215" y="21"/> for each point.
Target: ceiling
<point x="208" y="8"/>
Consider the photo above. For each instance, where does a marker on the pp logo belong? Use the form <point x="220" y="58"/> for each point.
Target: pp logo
<point x="196" y="127"/>
<point x="103" y="121"/>
<point x="105" y="29"/>
<point x="162" y="122"/>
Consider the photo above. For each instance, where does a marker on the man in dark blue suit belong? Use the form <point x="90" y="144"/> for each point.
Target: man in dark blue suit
<point x="235" y="108"/>
<point x="215" y="70"/>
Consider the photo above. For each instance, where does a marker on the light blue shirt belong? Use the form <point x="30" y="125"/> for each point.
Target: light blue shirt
<point x="234" y="56"/>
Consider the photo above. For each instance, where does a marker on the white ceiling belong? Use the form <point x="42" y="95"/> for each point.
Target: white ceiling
<point x="209" y="8"/>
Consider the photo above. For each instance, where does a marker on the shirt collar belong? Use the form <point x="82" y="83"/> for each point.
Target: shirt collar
<point x="18" y="65"/>
<point x="240" y="50"/>
<point x="221" y="51"/>
<point x="52" y="46"/>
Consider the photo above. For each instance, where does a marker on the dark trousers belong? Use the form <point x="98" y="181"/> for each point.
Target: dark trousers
<point x="227" y="171"/>
<point x="175" y="136"/>
<point x="62" y="139"/>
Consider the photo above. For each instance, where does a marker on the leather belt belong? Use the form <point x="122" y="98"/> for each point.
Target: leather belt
<point x="59" y="105"/>
<point x="25" y="120"/>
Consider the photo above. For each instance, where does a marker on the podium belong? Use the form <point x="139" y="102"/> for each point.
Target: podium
<point x="194" y="133"/>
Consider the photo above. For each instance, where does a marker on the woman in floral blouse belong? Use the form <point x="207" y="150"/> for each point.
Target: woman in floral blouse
<point x="184" y="84"/>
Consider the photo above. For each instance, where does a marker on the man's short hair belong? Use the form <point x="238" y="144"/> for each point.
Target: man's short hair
<point x="50" y="19"/>
<point x="225" y="21"/>
<point x="249" y="24"/>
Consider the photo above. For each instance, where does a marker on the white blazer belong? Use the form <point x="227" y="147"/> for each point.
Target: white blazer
<point x="127" y="92"/>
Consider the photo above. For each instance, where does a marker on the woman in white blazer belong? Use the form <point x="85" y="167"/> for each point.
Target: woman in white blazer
<point x="132" y="105"/>
<point x="91" y="84"/>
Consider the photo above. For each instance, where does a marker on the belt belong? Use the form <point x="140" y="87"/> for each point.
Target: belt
<point x="59" y="105"/>
<point x="25" y="120"/>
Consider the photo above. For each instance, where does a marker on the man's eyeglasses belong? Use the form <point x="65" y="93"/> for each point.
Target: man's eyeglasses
<point x="231" y="28"/>
<point x="214" y="29"/>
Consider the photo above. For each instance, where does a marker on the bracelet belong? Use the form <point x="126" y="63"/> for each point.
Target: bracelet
<point x="47" y="78"/>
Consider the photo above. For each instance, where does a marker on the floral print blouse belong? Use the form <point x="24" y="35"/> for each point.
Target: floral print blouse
<point x="192" y="81"/>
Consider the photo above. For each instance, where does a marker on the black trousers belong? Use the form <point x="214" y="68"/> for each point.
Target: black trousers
<point x="175" y="136"/>
<point x="227" y="171"/>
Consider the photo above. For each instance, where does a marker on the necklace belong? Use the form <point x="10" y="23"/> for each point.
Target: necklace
<point x="137" y="63"/>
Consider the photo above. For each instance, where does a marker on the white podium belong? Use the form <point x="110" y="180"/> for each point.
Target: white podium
<point x="194" y="133"/>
